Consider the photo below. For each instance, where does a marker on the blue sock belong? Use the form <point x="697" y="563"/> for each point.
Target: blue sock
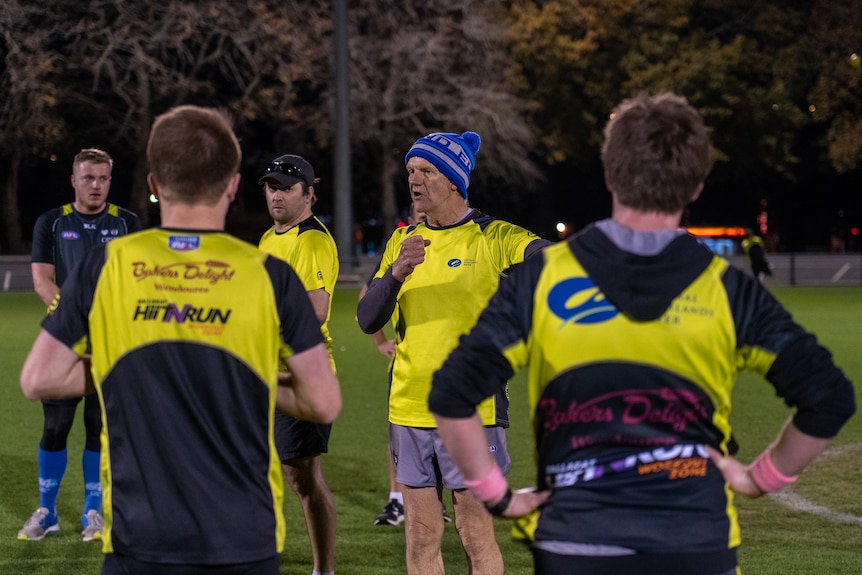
<point x="52" y="466"/>
<point x="92" y="484"/>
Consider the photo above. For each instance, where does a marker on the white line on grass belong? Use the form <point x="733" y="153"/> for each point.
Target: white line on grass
<point x="799" y="503"/>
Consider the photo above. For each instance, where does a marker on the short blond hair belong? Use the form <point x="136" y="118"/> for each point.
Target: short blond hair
<point x="94" y="156"/>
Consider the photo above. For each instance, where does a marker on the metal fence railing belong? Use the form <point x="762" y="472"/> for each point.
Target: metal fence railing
<point x="805" y="269"/>
<point x="788" y="269"/>
<point x="15" y="273"/>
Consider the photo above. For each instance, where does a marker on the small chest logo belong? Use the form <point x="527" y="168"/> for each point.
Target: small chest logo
<point x="70" y="235"/>
<point x="458" y="262"/>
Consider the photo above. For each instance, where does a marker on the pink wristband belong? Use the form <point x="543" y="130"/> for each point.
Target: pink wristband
<point x="766" y="476"/>
<point x="491" y="487"/>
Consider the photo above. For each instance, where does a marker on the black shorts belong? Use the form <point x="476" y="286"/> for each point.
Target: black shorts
<point x="122" y="565"/>
<point x="70" y="401"/>
<point x="295" y="438"/>
<point x="716" y="563"/>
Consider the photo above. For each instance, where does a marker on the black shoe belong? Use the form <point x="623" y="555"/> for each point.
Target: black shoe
<point x="393" y="514"/>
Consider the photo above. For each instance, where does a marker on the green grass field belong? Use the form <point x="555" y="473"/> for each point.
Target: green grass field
<point x="777" y="539"/>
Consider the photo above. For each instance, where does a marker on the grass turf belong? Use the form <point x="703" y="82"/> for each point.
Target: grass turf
<point x="776" y="538"/>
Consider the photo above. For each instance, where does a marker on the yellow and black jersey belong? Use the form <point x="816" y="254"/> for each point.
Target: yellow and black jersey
<point x="440" y="301"/>
<point x="63" y="236"/>
<point x="311" y="251"/>
<point x="632" y="361"/>
<point x="186" y="331"/>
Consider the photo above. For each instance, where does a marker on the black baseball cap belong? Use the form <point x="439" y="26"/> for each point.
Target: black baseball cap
<point x="287" y="170"/>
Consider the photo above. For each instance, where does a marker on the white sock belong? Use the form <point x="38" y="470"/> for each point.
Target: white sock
<point x="316" y="572"/>
<point x="397" y="496"/>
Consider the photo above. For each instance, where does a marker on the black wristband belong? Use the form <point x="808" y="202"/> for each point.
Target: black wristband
<point x="500" y="507"/>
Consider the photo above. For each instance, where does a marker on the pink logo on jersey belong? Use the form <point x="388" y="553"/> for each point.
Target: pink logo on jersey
<point x="70" y="235"/>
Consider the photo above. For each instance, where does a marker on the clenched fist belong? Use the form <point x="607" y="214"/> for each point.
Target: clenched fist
<point x="411" y="255"/>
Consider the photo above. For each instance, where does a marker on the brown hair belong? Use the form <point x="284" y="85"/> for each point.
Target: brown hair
<point x="656" y="152"/>
<point x="192" y="154"/>
<point x="92" y="155"/>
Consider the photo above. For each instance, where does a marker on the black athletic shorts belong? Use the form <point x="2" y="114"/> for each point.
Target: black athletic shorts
<point x="295" y="438"/>
<point x="718" y="563"/>
<point x="122" y="565"/>
<point x="67" y="400"/>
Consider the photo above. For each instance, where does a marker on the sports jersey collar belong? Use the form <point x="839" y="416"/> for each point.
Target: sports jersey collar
<point x="464" y="219"/>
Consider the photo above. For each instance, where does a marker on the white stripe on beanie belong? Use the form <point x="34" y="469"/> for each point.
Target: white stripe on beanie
<point x="452" y="154"/>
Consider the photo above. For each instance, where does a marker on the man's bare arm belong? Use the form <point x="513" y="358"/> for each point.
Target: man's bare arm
<point x="43" y="282"/>
<point x="53" y="370"/>
<point x="311" y="392"/>
<point x="320" y="302"/>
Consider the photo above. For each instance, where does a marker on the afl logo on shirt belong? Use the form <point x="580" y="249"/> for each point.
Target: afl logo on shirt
<point x="70" y="235"/>
<point x="578" y="300"/>
<point x="184" y="243"/>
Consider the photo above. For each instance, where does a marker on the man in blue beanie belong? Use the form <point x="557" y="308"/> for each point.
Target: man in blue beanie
<point x="436" y="276"/>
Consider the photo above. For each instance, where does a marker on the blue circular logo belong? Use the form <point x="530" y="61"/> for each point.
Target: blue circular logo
<point x="590" y="306"/>
<point x="454" y="263"/>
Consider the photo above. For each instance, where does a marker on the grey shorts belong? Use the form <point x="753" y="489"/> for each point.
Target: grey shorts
<point x="421" y="460"/>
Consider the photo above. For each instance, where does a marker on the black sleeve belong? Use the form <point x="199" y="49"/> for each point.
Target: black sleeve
<point x="474" y="370"/>
<point x="133" y="222"/>
<point x="375" y="308"/>
<point x="68" y="319"/>
<point x="300" y="328"/>
<point x="43" y="240"/>
<point x="803" y="372"/>
<point x="535" y="247"/>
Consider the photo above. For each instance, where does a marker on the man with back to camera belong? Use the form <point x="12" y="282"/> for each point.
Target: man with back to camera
<point x="634" y="333"/>
<point x="61" y="238"/>
<point x="436" y="277"/>
<point x="182" y="330"/>
<point x="300" y="239"/>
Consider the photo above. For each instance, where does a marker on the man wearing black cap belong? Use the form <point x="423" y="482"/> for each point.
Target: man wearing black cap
<point x="301" y="240"/>
<point x="436" y="276"/>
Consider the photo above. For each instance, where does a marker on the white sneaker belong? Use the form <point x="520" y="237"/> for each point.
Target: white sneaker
<point x="40" y="524"/>
<point x="92" y="526"/>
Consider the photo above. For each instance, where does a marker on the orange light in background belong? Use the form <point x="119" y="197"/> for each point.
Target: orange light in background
<point x="717" y="231"/>
<point x="53" y="157"/>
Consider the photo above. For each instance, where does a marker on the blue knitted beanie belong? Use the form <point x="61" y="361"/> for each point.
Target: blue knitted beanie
<point x="453" y="155"/>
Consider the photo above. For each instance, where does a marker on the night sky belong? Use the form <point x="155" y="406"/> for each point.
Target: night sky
<point x="804" y="215"/>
